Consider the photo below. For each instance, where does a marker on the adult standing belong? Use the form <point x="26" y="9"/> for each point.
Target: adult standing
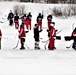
<point x="36" y="36"/>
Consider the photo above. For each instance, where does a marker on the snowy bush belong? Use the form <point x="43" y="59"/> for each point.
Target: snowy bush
<point x="20" y="9"/>
<point x="57" y="11"/>
<point x="73" y="8"/>
<point x="68" y="10"/>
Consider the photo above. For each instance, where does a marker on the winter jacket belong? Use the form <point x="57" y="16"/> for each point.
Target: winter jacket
<point x="29" y="16"/>
<point x="39" y="18"/>
<point x="36" y="33"/>
<point x="22" y="33"/>
<point x="52" y="32"/>
<point x="24" y="18"/>
<point x="10" y="16"/>
<point x="16" y="18"/>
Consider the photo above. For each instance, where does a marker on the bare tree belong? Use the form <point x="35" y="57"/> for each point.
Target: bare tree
<point x="23" y="0"/>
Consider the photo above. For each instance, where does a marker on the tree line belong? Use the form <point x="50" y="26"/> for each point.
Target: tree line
<point x="46" y="1"/>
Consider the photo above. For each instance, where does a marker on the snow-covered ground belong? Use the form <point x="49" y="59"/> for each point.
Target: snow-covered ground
<point x="30" y="61"/>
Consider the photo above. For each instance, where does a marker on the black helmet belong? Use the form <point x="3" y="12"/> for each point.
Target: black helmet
<point x="36" y="25"/>
<point x="30" y="13"/>
<point x="24" y="14"/>
<point x="39" y="13"/>
<point x="50" y="16"/>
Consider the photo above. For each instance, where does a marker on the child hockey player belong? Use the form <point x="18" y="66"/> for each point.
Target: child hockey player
<point x="22" y="35"/>
<point x="10" y="18"/>
<point x="52" y="36"/>
<point x="0" y="38"/>
<point x="36" y="36"/>
<point x="49" y="20"/>
<point x="29" y="19"/>
<point x="16" y="21"/>
<point x="24" y="20"/>
<point x="72" y="37"/>
<point x="39" y="20"/>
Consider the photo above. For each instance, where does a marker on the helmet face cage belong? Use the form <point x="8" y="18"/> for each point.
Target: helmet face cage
<point x="52" y="24"/>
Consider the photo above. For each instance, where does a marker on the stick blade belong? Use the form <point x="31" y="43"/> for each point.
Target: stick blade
<point x="67" y="47"/>
<point x="14" y="47"/>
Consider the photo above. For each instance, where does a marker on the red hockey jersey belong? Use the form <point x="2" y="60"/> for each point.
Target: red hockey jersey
<point x="22" y="33"/>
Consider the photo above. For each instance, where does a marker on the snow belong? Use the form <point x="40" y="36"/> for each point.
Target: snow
<point x="30" y="61"/>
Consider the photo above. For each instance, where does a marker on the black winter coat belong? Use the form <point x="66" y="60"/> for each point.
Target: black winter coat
<point x="10" y="15"/>
<point x="36" y="33"/>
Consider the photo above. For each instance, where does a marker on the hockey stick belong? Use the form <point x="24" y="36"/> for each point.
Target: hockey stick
<point x="46" y="44"/>
<point x="26" y="46"/>
<point x="69" y="46"/>
<point x="3" y="37"/>
<point x="48" y="39"/>
<point x="59" y="31"/>
<point x="4" y="18"/>
<point x="3" y="21"/>
<point x="44" y="27"/>
<point x="16" y="44"/>
<point x="40" y="38"/>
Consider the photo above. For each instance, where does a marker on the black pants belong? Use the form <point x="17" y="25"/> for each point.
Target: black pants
<point x="22" y="42"/>
<point x="36" y="38"/>
<point x="74" y="45"/>
<point x="10" y="22"/>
